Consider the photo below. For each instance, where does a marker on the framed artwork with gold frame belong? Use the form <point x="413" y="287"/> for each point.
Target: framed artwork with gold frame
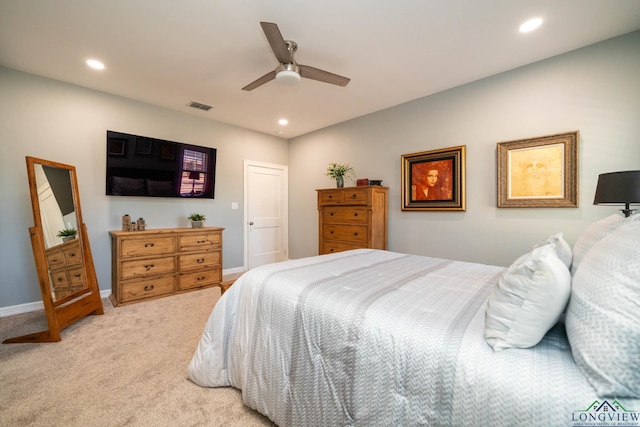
<point x="538" y="172"/>
<point x="434" y="180"/>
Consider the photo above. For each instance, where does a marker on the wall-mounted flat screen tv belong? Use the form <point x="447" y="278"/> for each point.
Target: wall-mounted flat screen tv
<point x="144" y="166"/>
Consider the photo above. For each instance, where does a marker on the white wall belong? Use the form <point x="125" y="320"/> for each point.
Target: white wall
<point x="595" y="90"/>
<point x="65" y="123"/>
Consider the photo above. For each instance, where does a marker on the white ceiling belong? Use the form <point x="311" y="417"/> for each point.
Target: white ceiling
<point x="171" y="52"/>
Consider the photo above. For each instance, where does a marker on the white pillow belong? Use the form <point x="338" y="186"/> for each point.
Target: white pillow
<point x="563" y="249"/>
<point x="528" y="300"/>
<point x="603" y="317"/>
<point x="595" y="232"/>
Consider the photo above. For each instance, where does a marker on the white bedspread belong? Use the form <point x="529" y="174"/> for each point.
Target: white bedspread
<point x="371" y="337"/>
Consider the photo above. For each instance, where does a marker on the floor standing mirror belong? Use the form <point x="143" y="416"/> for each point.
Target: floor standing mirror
<point x="61" y="249"/>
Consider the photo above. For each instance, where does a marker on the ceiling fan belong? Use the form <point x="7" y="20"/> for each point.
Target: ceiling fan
<point x="289" y="71"/>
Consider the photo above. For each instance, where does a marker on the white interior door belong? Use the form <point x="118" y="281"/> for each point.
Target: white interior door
<point x="50" y="216"/>
<point x="266" y="207"/>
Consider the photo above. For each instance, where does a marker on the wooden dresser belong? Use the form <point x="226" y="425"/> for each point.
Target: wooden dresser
<point x="156" y="263"/>
<point x="65" y="268"/>
<point x="352" y="218"/>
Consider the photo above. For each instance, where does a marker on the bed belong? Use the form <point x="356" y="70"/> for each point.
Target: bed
<point x="369" y="337"/>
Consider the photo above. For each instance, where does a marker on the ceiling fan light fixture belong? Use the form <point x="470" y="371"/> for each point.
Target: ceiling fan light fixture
<point x="288" y="78"/>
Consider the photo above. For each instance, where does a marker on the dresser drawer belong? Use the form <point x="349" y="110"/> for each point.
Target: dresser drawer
<point x="348" y="214"/>
<point x="201" y="278"/>
<point x="190" y="242"/>
<point x="72" y="256"/>
<point x="76" y="276"/>
<point x="356" y="234"/>
<point x="328" y="247"/>
<point x="147" y="247"/>
<point x="59" y="278"/>
<point x="358" y="196"/>
<point x="139" y="289"/>
<point x="147" y="267"/>
<point x="65" y="292"/>
<point x="330" y="197"/>
<point x="201" y="260"/>
<point x="55" y="260"/>
<point x="346" y="196"/>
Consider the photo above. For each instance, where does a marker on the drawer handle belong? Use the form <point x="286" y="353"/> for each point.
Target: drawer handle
<point x="201" y="278"/>
<point x="331" y="232"/>
<point x="54" y="260"/>
<point x="331" y="197"/>
<point x="59" y="279"/>
<point x="353" y="196"/>
<point x="201" y="241"/>
<point x="355" y="214"/>
<point x="355" y="234"/>
<point x="200" y="260"/>
<point x="149" y="245"/>
<point x="330" y="213"/>
<point x="331" y="250"/>
<point x="77" y="275"/>
<point x="149" y="266"/>
<point x="72" y="254"/>
<point x="148" y="288"/>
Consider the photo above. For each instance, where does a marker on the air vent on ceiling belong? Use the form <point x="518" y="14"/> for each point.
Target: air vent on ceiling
<point x="200" y="105"/>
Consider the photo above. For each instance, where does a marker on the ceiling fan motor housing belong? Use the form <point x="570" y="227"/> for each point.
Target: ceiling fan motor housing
<point x="288" y="74"/>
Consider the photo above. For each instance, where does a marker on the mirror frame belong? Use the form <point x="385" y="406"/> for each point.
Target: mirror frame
<point x="62" y="312"/>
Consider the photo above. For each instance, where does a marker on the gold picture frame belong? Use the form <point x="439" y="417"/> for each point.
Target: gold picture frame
<point x="434" y="180"/>
<point x="538" y="172"/>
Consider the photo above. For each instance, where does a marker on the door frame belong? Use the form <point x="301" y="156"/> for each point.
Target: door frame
<point x="285" y="170"/>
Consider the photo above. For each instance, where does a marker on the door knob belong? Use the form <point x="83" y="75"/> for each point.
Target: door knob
<point x="251" y="223"/>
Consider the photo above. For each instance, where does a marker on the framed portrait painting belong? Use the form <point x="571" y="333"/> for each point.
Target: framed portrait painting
<point x="434" y="180"/>
<point x="539" y="172"/>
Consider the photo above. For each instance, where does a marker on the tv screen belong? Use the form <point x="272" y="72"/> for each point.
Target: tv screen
<point x="151" y="167"/>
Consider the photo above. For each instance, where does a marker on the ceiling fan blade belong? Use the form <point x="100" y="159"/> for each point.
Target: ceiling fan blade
<point x="323" y="76"/>
<point x="262" y="80"/>
<point x="277" y="43"/>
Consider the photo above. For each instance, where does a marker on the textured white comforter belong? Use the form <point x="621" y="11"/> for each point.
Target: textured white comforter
<point x="371" y="337"/>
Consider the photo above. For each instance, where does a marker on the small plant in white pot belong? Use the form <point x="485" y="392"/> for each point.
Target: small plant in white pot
<point x="196" y="220"/>
<point x="67" y="234"/>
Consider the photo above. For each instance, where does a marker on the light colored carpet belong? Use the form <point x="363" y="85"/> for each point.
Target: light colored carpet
<point x="124" y="368"/>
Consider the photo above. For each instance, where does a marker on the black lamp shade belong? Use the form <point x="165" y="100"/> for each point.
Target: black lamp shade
<point x="194" y="175"/>
<point x="618" y="188"/>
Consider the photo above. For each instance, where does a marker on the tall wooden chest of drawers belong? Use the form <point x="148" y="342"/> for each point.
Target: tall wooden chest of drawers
<point x="156" y="263"/>
<point x="352" y="218"/>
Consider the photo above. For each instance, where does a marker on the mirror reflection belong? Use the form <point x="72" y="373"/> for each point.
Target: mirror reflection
<point x="60" y="231"/>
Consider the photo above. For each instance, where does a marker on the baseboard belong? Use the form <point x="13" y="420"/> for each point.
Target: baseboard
<point x="233" y="271"/>
<point x="38" y="305"/>
<point x="34" y="306"/>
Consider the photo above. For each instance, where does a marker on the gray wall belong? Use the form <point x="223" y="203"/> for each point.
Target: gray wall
<point x="595" y="90"/>
<point x="64" y="123"/>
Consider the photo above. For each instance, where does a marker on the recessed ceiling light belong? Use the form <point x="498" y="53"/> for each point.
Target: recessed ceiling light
<point x="95" y="64"/>
<point x="530" y="25"/>
<point x="283" y="122"/>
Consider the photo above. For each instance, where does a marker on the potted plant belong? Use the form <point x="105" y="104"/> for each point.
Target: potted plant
<point x="339" y="171"/>
<point x="67" y="234"/>
<point x="196" y="220"/>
